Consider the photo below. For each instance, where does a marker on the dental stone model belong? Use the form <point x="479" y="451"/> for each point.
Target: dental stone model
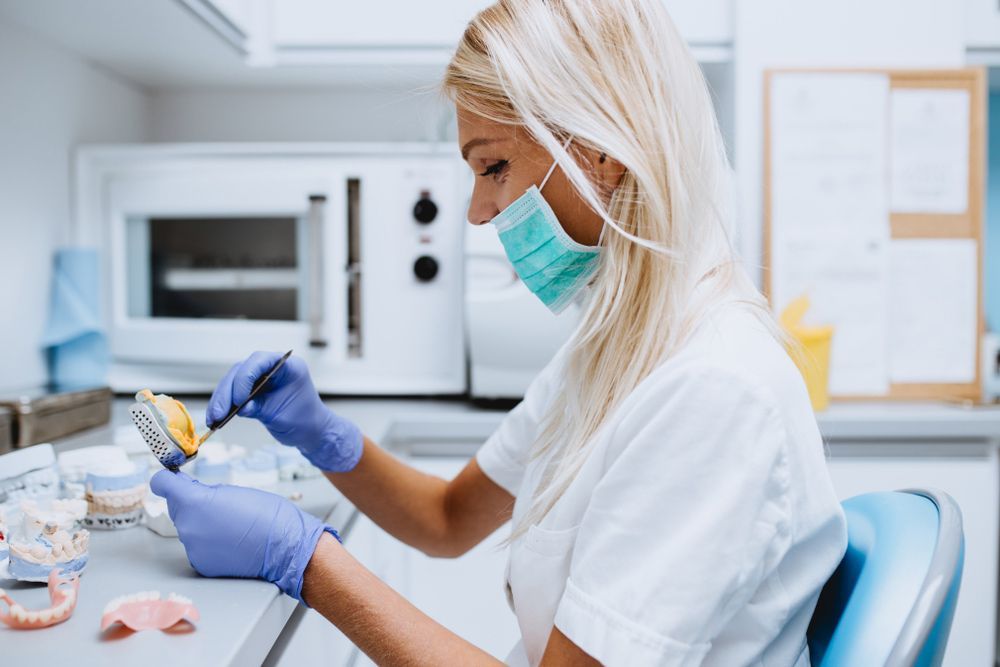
<point x="216" y="460"/>
<point x="76" y="463"/>
<point x="28" y="473"/>
<point x="114" y="495"/>
<point x="168" y="429"/>
<point x="173" y="419"/>
<point x="258" y="470"/>
<point x="3" y="536"/>
<point x="63" y="593"/>
<point x="292" y="465"/>
<point x="158" y="516"/>
<point x="36" y="514"/>
<point x="146" y="611"/>
<point x="33" y="559"/>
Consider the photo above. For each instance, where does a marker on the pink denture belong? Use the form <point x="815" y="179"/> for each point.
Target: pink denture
<point x="63" y="592"/>
<point x="146" y="611"/>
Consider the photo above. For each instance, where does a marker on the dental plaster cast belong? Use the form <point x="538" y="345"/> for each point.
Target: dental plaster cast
<point x="215" y="462"/>
<point x="158" y="517"/>
<point x="174" y="418"/>
<point x="292" y="465"/>
<point x="3" y="536"/>
<point x="146" y="611"/>
<point x="34" y="558"/>
<point x="28" y="473"/>
<point x="76" y="463"/>
<point x="114" y="495"/>
<point x="63" y="593"/>
<point x="64" y="513"/>
<point x="258" y="470"/>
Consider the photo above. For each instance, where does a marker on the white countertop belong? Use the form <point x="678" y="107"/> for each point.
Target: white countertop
<point x="240" y="620"/>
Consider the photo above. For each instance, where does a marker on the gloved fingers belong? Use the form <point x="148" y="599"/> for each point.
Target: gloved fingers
<point x="251" y="409"/>
<point x="253" y="368"/>
<point x="222" y="398"/>
<point x="170" y="485"/>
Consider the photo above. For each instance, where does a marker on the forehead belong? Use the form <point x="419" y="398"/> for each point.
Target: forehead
<point x="473" y="126"/>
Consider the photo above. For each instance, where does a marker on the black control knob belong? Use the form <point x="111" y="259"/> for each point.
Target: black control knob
<point x="425" y="268"/>
<point x="425" y="210"/>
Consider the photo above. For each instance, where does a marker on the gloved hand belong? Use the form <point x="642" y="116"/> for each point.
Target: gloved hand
<point x="291" y="409"/>
<point x="231" y="531"/>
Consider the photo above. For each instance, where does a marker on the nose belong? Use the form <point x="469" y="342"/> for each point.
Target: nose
<point x="481" y="209"/>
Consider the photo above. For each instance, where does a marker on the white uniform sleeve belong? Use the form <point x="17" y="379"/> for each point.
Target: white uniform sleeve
<point x="504" y="456"/>
<point x="689" y="517"/>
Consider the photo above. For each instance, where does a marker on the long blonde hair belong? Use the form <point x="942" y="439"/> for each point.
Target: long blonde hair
<point x="616" y="76"/>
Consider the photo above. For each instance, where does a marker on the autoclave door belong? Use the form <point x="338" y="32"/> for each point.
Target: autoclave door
<point x="211" y="261"/>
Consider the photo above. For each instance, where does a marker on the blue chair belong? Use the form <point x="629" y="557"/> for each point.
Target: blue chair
<point x="892" y="598"/>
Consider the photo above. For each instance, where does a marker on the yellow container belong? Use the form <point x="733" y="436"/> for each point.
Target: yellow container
<point x="813" y="360"/>
<point x="812" y="354"/>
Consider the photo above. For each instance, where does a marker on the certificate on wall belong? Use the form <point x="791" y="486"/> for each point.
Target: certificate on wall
<point x="830" y="215"/>
<point x="930" y="151"/>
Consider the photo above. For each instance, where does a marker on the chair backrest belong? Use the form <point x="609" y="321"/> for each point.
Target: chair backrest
<point x="892" y="599"/>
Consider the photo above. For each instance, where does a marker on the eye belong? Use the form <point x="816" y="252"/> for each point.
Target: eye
<point x="495" y="168"/>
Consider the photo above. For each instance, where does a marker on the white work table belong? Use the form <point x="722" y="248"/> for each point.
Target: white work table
<point x="242" y="620"/>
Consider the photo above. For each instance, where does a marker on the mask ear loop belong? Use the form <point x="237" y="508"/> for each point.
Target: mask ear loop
<point x="555" y="163"/>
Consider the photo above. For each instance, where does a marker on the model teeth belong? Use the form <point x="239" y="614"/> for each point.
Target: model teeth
<point x="180" y="599"/>
<point x="141" y="596"/>
<point x="18" y="612"/>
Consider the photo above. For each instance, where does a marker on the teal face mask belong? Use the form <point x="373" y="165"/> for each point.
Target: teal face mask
<point x="552" y="265"/>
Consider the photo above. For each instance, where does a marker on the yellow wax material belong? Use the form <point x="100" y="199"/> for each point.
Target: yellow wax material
<point x="176" y="419"/>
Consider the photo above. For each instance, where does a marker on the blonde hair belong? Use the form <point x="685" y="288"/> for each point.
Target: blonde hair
<point x="616" y="76"/>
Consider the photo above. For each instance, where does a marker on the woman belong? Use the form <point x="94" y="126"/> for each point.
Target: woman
<point x="664" y="475"/>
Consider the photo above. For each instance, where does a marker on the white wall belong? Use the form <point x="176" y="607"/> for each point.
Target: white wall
<point x="346" y="114"/>
<point x="819" y="33"/>
<point x="51" y="102"/>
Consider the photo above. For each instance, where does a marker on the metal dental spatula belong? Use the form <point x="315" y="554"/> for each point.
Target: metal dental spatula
<point x="163" y="445"/>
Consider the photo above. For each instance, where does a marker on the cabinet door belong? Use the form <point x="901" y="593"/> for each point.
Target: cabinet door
<point x="982" y="23"/>
<point x="971" y="479"/>
<point x="320" y="23"/>
<point x="440" y="23"/>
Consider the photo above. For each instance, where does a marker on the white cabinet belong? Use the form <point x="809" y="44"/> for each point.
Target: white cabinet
<point x="324" y="24"/>
<point x="982" y="23"/>
<point x="464" y="594"/>
<point x="969" y="474"/>
<point x="318" y="31"/>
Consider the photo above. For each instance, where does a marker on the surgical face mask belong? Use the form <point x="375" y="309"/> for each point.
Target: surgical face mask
<point x="552" y="265"/>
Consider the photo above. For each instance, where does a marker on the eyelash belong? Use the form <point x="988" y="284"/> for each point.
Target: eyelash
<point x="495" y="168"/>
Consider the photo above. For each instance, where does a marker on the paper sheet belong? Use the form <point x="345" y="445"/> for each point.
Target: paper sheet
<point x="930" y="151"/>
<point x="830" y="215"/>
<point x="846" y="280"/>
<point x="934" y="310"/>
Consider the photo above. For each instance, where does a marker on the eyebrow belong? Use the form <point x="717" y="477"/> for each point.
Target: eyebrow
<point x="473" y="143"/>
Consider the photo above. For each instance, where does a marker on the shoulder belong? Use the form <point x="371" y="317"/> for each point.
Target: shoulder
<point x="730" y="385"/>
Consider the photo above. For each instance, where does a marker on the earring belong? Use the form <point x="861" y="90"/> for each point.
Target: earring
<point x="604" y="156"/>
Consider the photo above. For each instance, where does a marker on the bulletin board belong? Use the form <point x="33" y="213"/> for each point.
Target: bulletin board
<point x="873" y="208"/>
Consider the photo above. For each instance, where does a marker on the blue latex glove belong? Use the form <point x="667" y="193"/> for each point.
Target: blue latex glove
<point x="231" y="531"/>
<point x="291" y="409"/>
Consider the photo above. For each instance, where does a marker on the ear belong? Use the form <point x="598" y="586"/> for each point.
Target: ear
<point x="605" y="172"/>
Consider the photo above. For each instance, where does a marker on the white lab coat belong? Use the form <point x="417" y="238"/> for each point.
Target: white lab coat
<point x="703" y="524"/>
